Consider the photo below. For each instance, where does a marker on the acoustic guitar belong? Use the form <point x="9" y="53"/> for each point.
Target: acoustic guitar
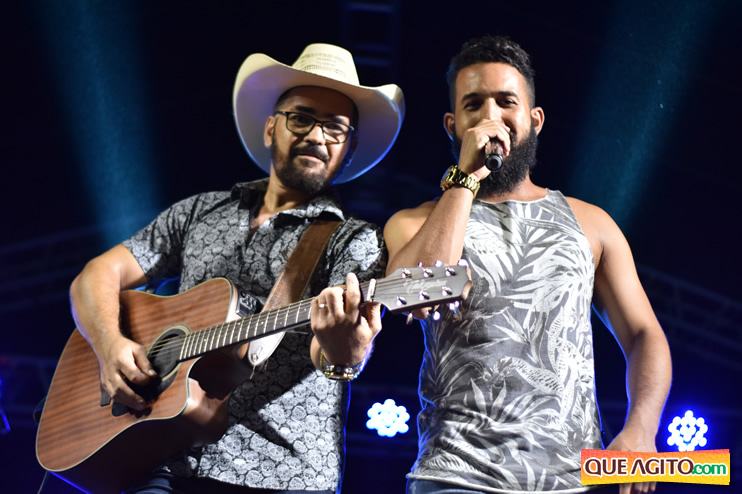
<point x="101" y="446"/>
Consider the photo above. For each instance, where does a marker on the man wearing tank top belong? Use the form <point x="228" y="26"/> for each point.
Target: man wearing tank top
<point x="507" y="382"/>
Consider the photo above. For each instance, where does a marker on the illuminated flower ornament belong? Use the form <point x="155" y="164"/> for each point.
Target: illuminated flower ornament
<point x="388" y="419"/>
<point x="687" y="432"/>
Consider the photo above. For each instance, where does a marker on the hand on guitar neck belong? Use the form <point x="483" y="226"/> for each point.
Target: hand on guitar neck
<point x="344" y="327"/>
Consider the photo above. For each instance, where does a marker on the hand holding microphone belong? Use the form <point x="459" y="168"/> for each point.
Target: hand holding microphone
<point x="483" y="148"/>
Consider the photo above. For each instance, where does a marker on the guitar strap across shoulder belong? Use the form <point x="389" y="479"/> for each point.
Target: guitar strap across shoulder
<point x="293" y="281"/>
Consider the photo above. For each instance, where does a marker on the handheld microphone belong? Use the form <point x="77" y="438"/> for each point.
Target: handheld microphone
<point x="494" y="160"/>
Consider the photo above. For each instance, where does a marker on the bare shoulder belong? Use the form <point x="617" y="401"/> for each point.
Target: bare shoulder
<point x="410" y="218"/>
<point x="598" y="226"/>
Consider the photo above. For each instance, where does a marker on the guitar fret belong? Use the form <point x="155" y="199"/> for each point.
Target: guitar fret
<point x="182" y="353"/>
<point x="210" y="340"/>
<point x="201" y="344"/>
<point x="247" y="330"/>
<point x="196" y="342"/>
<point x="220" y="332"/>
<point x="237" y="325"/>
<point x="205" y="341"/>
<point x="189" y="346"/>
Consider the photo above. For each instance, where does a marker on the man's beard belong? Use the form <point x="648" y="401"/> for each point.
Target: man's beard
<point x="515" y="168"/>
<point x="293" y="177"/>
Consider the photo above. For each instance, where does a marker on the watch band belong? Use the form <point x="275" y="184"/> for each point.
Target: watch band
<point x="454" y="176"/>
<point x="339" y="372"/>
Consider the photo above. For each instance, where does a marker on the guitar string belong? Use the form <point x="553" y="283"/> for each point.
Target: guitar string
<point x="176" y="342"/>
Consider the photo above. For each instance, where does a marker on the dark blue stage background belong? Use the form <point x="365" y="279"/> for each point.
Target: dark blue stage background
<point x="112" y="110"/>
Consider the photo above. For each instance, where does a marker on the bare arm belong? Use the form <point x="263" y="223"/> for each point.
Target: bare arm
<point x="622" y="304"/>
<point x="94" y="295"/>
<point x="431" y="232"/>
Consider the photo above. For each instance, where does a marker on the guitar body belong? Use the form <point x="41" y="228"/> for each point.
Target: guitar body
<point x="105" y="447"/>
<point x="102" y="447"/>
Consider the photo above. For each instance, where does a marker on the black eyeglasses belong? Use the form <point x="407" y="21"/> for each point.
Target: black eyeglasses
<point x="302" y="124"/>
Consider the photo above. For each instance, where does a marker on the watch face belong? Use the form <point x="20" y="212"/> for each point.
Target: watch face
<point x="457" y="177"/>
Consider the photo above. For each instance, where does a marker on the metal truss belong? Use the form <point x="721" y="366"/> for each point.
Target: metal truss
<point x="370" y="31"/>
<point x="698" y="321"/>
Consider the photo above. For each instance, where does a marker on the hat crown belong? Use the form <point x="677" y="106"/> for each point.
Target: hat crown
<point x="328" y="61"/>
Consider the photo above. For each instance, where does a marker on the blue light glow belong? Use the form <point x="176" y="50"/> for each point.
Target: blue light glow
<point x="4" y="424"/>
<point x="96" y="65"/>
<point x="388" y="419"/>
<point x="632" y="96"/>
<point x="687" y="432"/>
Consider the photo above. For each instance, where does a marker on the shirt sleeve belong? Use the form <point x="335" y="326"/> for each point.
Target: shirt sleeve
<point x="359" y="248"/>
<point x="158" y="247"/>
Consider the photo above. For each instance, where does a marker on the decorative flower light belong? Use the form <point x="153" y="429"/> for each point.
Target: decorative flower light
<point x="388" y="419"/>
<point x="687" y="432"/>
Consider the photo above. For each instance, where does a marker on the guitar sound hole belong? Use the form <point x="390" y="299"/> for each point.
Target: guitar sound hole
<point x="163" y="355"/>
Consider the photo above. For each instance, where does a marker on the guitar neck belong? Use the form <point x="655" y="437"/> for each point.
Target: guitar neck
<point x="245" y="329"/>
<point x="404" y="290"/>
<point x="197" y="343"/>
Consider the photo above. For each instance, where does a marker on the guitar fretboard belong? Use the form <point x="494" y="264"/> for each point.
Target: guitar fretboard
<point x="248" y="328"/>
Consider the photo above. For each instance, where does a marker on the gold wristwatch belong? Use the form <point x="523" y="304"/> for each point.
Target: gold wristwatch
<point x="454" y="176"/>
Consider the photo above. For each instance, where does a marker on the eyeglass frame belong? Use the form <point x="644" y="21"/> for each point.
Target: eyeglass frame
<point x="321" y="123"/>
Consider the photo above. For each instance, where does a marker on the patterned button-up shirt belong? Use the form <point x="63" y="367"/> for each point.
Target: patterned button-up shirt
<point x="286" y="424"/>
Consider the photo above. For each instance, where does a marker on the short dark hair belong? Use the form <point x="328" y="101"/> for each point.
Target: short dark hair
<point x="491" y="49"/>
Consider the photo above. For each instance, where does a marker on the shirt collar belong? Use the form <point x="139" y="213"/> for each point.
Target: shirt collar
<point x="328" y="202"/>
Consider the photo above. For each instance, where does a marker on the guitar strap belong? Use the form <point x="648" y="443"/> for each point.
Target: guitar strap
<point x="293" y="281"/>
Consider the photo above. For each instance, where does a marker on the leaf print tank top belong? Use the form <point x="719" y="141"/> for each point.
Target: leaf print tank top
<point x="507" y="385"/>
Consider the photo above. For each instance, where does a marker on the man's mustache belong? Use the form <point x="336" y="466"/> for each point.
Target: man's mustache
<point x="312" y="150"/>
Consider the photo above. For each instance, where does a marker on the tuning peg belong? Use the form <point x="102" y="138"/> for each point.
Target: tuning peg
<point x="410" y="318"/>
<point x="420" y="264"/>
<point x="423" y="295"/>
<point x="406" y="273"/>
<point x="436" y="315"/>
<point x="438" y="264"/>
<point x="463" y="262"/>
<point x="454" y="307"/>
<point x="450" y="271"/>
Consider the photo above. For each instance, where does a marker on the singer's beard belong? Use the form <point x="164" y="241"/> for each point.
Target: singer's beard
<point x="515" y="168"/>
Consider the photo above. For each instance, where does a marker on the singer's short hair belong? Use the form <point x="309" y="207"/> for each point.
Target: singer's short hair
<point x="491" y="49"/>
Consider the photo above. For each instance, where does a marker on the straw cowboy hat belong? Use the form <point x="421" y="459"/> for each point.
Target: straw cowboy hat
<point x="261" y="80"/>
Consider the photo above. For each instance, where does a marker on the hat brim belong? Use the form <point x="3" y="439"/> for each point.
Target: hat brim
<point x="261" y="80"/>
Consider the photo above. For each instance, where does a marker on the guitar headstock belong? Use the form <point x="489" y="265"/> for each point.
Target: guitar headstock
<point x="407" y="289"/>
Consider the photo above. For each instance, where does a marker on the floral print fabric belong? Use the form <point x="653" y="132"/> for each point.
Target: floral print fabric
<point x="507" y="385"/>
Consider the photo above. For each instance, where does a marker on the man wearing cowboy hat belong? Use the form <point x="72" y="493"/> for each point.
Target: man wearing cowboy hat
<point x="309" y="125"/>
